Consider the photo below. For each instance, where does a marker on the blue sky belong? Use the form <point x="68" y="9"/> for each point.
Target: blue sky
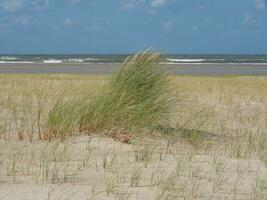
<point x="126" y="26"/>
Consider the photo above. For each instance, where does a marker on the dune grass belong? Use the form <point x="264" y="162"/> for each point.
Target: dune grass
<point x="137" y="97"/>
<point x="61" y="119"/>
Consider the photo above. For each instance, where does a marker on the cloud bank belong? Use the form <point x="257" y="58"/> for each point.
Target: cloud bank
<point x="12" y="5"/>
<point x="16" y="5"/>
<point x="261" y="4"/>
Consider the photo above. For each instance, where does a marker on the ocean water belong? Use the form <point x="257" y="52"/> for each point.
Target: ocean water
<point x="118" y="58"/>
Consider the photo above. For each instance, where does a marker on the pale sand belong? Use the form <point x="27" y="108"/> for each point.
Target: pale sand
<point x="87" y="68"/>
<point x="94" y="167"/>
<point x="109" y="172"/>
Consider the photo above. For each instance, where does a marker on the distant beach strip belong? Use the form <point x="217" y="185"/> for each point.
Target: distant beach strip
<point x="107" y="64"/>
<point x="118" y="58"/>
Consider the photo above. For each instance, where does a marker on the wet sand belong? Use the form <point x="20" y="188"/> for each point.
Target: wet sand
<point x="107" y="68"/>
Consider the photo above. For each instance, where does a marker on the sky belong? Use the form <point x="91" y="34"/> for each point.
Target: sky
<point x="127" y="26"/>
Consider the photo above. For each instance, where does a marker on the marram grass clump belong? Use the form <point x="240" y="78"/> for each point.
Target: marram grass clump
<point x="62" y="119"/>
<point x="136" y="98"/>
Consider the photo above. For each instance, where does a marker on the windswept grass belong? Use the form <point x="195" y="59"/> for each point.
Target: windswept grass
<point x="137" y="97"/>
<point x="61" y="119"/>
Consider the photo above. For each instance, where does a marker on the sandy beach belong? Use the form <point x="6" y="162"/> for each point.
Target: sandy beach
<point x="133" y="100"/>
<point x="108" y="68"/>
<point x="220" y="154"/>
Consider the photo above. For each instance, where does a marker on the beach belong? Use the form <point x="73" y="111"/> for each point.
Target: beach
<point x="133" y="100"/>
<point x="72" y="131"/>
<point x="108" y="68"/>
<point x="215" y="148"/>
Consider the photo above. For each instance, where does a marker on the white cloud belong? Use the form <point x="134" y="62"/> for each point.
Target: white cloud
<point x="157" y="3"/>
<point x="12" y="5"/>
<point x="149" y="5"/>
<point x="127" y="6"/>
<point x="15" y="5"/>
<point x="40" y="4"/>
<point x="130" y="4"/>
<point x="260" y="4"/>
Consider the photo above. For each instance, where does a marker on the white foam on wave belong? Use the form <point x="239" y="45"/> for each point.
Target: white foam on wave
<point x="185" y="60"/>
<point x="8" y="58"/>
<point x="184" y="63"/>
<point x="81" y="60"/>
<point x="15" y="62"/>
<point x="75" y="60"/>
<point x="52" y="61"/>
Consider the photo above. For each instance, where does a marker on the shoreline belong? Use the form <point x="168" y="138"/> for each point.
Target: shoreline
<point x="108" y="68"/>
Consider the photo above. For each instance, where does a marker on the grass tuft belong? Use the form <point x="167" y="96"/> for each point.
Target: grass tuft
<point x="62" y="119"/>
<point x="137" y="97"/>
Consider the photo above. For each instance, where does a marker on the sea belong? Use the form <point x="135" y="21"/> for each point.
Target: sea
<point x="118" y="58"/>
